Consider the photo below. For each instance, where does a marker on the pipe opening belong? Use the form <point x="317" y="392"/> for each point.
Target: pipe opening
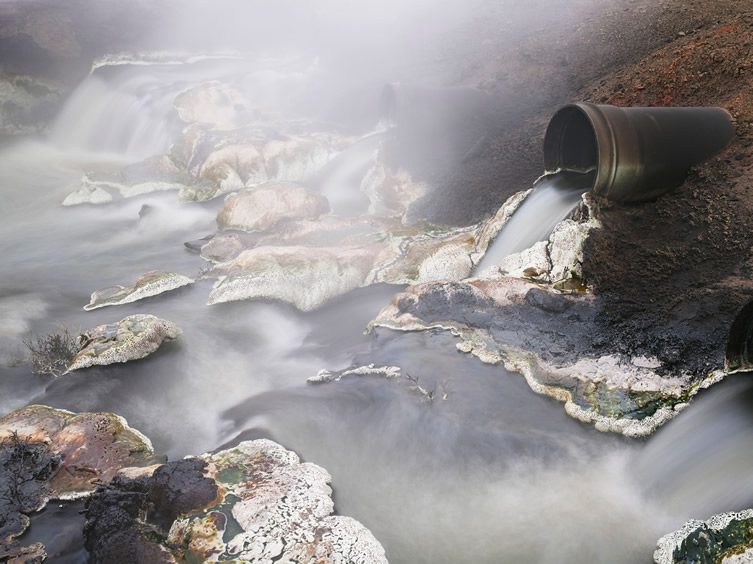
<point x="570" y="142"/>
<point x="739" y="353"/>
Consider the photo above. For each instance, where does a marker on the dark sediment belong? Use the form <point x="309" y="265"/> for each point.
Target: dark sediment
<point x="127" y="518"/>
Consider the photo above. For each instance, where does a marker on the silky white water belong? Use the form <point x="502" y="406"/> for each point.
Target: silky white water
<point x="553" y="197"/>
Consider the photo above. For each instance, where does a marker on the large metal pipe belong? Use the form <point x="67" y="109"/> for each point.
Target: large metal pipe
<point x="638" y="153"/>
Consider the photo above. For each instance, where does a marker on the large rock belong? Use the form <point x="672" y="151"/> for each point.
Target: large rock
<point x="48" y="453"/>
<point x="92" y="447"/>
<point x="253" y="503"/>
<point x="548" y="336"/>
<point x="154" y="174"/>
<point x="223" y="162"/>
<point x="147" y="285"/>
<point x="307" y="264"/>
<point x="213" y="104"/>
<point x="258" y="209"/>
<point x="305" y="277"/>
<point x="726" y="538"/>
<point x="131" y="338"/>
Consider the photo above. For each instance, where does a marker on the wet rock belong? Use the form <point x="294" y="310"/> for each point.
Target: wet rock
<point x="548" y="336"/>
<point x="253" y="503"/>
<point x="154" y="174"/>
<point x="224" y="247"/>
<point x="25" y="470"/>
<point x="389" y="372"/>
<point x="92" y="447"/>
<point x="48" y="453"/>
<point x="223" y="162"/>
<point x="358" y="253"/>
<point x="391" y="193"/>
<point x="131" y="338"/>
<point x="213" y="104"/>
<point x="150" y="284"/>
<point x="128" y="517"/>
<point x="88" y="193"/>
<point x="305" y="277"/>
<point x="559" y="259"/>
<point x="726" y="538"/>
<point x="27" y="104"/>
<point x="258" y="209"/>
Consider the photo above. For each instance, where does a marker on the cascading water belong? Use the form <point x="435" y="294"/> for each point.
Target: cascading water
<point x="554" y="196"/>
<point x="132" y="117"/>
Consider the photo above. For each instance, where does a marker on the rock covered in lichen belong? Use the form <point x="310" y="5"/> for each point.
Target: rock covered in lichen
<point x="255" y="502"/>
<point x="91" y="446"/>
<point x="305" y="277"/>
<point x="131" y="338"/>
<point x="326" y="376"/>
<point x="149" y="284"/>
<point x="258" y="209"/>
<point x="726" y="538"/>
<point x="48" y="453"/>
<point x="547" y="336"/>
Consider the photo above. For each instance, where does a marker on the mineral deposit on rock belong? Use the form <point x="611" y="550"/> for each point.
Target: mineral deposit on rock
<point x="149" y="284"/>
<point x="131" y="338"/>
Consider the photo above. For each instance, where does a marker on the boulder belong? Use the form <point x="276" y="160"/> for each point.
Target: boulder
<point x="48" y="453"/>
<point x="305" y="277"/>
<point x="255" y="502"/>
<point x="261" y="208"/>
<point x="726" y="538"/>
<point x="131" y="338"/>
<point x="548" y="336"/>
<point x="149" y="284"/>
<point x="91" y="447"/>
<point x="213" y="104"/>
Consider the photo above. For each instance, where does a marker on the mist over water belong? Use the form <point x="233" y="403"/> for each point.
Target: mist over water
<point x="490" y="473"/>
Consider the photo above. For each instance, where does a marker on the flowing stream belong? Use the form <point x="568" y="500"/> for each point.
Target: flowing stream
<point x="492" y="473"/>
<point x="554" y="196"/>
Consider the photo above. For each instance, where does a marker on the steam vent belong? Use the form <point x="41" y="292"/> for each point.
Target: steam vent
<point x="336" y="282"/>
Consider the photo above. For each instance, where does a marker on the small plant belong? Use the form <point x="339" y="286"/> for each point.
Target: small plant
<point x="53" y="353"/>
<point x="25" y="468"/>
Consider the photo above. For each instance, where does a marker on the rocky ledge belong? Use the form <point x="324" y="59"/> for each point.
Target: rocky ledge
<point x="535" y="314"/>
<point x="255" y="502"/>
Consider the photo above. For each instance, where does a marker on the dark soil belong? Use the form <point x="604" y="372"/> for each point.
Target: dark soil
<point x="675" y="272"/>
<point x="531" y="70"/>
<point x="128" y="518"/>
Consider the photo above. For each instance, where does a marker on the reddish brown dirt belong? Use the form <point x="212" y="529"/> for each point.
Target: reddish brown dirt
<point x="676" y="271"/>
<point x="531" y="70"/>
